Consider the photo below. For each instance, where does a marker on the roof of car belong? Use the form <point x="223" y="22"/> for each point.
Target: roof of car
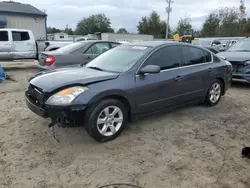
<point x="94" y="41"/>
<point x="150" y="43"/>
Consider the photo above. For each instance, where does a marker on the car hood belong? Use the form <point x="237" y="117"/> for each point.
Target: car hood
<point x="51" y="80"/>
<point x="235" y="56"/>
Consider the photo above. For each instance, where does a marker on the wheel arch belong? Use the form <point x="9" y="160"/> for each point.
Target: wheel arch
<point x="223" y="82"/>
<point x="120" y="96"/>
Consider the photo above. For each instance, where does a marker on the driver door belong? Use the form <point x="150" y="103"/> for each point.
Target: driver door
<point x="163" y="90"/>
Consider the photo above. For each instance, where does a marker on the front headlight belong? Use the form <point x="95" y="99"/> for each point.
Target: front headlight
<point x="66" y="96"/>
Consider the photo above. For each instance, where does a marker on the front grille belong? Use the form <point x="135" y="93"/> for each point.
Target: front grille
<point x="237" y="66"/>
<point x="36" y="94"/>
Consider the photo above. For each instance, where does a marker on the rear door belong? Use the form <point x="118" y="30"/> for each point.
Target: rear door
<point x="5" y="45"/>
<point x="197" y="72"/>
<point x="23" y="45"/>
<point x="94" y="50"/>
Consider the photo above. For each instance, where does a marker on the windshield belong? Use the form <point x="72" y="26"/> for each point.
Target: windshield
<point x="203" y="42"/>
<point x="240" y="46"/>
<point x="71" y="47"/>
<point x="119" y="59"/>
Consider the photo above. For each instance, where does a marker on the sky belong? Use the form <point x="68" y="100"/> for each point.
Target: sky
<point x="127" y="13"/>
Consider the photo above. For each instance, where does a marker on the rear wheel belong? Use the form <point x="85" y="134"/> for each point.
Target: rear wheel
<point x="106" y="120"/>
<point x="214" y="93"/>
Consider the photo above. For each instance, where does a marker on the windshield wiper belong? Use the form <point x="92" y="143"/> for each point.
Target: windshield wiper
<point x="96" y="68"/>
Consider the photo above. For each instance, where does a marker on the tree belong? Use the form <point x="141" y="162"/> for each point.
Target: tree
<point x="69" y="31"/>
<point x="183" y="25"/>
<point x="152" y="25"/>
<point x="122" y="31"/>
<point x="53" y="30"/>
<point x="210" y="26"/>
<point x="94" y="23"/>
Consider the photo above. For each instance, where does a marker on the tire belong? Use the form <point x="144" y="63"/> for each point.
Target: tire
<point x="217" y="93"/>
<point x="109" y="126"/>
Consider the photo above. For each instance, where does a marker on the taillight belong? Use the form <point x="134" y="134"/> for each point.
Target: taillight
<point x="49" y="60"/>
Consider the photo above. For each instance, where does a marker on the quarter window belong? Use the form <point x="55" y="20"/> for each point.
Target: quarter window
<point x="98" y="48"/>
<point x="167" y="58"/>
<point x="20" y="36"/>
<point x="4" y="36"/>
<point x="192" y="55"/>
<point x="207" y="56"/>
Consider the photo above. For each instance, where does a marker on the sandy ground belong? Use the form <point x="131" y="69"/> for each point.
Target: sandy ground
<point x="194" y="147"/>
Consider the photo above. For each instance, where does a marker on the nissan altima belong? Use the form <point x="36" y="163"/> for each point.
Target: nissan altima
<point x="128" y="82"/>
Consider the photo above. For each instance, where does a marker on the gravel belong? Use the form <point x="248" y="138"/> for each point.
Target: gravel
<point x="196" y="147"/>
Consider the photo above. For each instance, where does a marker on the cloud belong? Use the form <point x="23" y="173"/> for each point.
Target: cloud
<point x="128" y="13"/>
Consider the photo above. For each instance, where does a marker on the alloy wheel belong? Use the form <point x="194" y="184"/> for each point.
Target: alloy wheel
<point x="215" y="92"/>
<point x="110" y="120"/>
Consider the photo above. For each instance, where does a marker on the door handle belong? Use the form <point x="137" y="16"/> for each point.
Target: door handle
<point x="7" y="44"/>
<point x="88" y="57"/>
<point x="178" y="78"/>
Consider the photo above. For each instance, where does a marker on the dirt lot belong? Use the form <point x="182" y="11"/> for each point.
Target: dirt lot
<point x="188" y="148"/>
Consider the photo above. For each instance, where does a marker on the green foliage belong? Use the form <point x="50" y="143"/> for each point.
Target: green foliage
<point x="227" y="22"/>
<point x="183" y="25"/>
<point x="94" y="23"/>
<point x="152" y="25"/>
<point x="122" y="31"/>
<point x="53" y="30"/>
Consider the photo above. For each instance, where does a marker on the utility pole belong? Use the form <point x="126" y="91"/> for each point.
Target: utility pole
<point x="168" y="10"/>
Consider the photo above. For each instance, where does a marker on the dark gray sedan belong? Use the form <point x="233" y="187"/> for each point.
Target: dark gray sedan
<point x="127" y="82"/>
<point x="239" y="56"/>
<point x="74" y="54"/>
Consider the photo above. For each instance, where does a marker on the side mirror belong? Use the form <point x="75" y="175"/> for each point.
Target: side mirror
<point x="224" y="45"/>
<point x="150" y="69"/>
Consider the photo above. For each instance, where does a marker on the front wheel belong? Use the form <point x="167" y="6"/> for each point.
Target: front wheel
<point x="106" y="120"/>
<point x="214" y="93"/>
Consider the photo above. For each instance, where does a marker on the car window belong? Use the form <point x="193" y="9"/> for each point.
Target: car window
<point x="119" y="59"/>
<point x="69" y="48"/>
<point x="207" y="56"/>
<point x="4" y="36"/>
<point x="98" y="48"/>
<point x="20" y="36"/>
<point x="192" y="55"/>
<point x="216" y="59"/>
<point x="166" y="57"/>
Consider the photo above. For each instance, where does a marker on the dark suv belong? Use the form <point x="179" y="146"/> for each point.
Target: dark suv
<point x="127" y="82"/>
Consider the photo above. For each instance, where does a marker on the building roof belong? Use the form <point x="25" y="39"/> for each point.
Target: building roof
<point x="10" y="7"/>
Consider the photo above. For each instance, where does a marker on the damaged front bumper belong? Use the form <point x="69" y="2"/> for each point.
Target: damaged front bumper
<point x="65" y="116"/>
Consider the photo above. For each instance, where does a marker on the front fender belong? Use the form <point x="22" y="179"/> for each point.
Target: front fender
<point x="88" y="98"/>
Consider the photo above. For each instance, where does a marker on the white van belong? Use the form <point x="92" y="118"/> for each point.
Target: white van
<point x="17" y="44"/>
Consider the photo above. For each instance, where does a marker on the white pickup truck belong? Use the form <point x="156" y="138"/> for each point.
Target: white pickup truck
<point x="18" y="44"/>
<point x="21" y="44"/>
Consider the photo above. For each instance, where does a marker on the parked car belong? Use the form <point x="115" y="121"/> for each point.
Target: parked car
<point x="74" y="54"/>
<point x="127" y="82"/>
<point x="239" y="56"/>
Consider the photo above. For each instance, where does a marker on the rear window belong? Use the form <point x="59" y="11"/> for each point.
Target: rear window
<point x="20" y="36"/>
<point x="4" y="36"/>
<point x="71" y="47"/>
